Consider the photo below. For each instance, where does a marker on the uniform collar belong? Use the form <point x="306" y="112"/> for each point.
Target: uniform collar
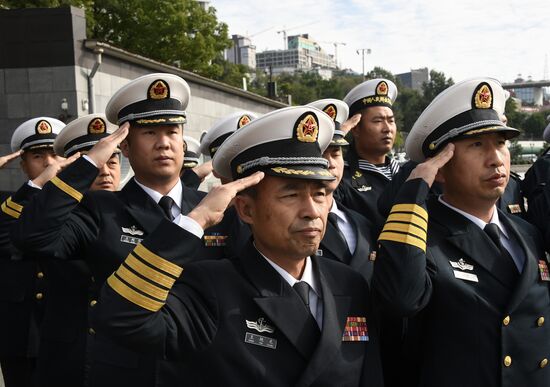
<point x="339" y="213"/>
<point x="176" y="193"/>
<point x="307" y="275"/>
<point x="478" y="222"/>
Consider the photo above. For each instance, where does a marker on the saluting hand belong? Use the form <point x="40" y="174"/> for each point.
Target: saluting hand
<point x="203" y="170"/>
<point x="429" y="168"/>
<point x="104" y="149"/>
<point x="350" y="123"/>
<point x="210" y="210"/>
<point x="54" y="168"/>
<point x="4" y="160"/>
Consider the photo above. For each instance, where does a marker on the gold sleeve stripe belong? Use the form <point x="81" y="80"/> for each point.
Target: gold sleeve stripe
<point x="131" y="295"/>
<point x="67" y="188"/>
<point x="9" y="211"/>
<point x="405" y="228"/>
<point x="156" y="261"/>
<point x="14" y="205"/>
<point x="402" y="238"/>
<point x="414" y="208"/>
<point x="148" y="272"/>
<point x="140" y="284"/>
<point x="408" y="218"/>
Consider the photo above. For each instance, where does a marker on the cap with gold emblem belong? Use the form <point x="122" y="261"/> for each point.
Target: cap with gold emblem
<point x="337" y="110"/>
<point x="36" y="133"/>
<point x="287" y="142"/>
<point x="192" y="155"/>
<point x="152" y="99"/>
<point x="82" y="134"/>
<point x="374" y="92"/>
<point x="469" y="108"/>
<point x="222" y="129"/>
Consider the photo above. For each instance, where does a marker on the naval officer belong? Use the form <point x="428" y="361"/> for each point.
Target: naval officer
<point x="23" y="283"/>
<point x="276" y="315"/>
<point x="68" y="221"/>
<point x="368" y="168"/>
<point x="472" y="279"/>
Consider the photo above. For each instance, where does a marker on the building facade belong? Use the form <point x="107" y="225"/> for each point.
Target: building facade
<point x="303" y="54"/>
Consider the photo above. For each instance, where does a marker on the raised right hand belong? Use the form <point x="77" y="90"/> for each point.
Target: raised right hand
<point x="104" y="149"/>
<point x="54" y="168"/>
<point x="210" y="210"/>
<point x="429" y="168"/>
<point x="4" y="160"/>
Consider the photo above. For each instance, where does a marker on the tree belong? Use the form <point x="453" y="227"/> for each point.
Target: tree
<point x="379" y="72"/>
<point x="176" y="32"/>
<point x="534" y="125"/>
<point x="437" y="83"/>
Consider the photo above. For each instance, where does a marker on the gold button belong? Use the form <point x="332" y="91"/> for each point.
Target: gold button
<point x="507" y="361"/>
<point x="39" y="296"/>
<point x="93" y="302"/>
<point x="540" y="321"/>
<point x="40" y="274"/>
<point x="543" y="363"/>
<point x="91" y="331"/>
<point x="506" y="320"/>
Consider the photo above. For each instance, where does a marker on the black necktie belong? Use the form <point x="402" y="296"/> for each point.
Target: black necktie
<point x="494" y="233"/>
<point x="302" y="288"/>
<point x="166" y="203"/>
<point x="311" y="332"/>
<point x="333" y="219"/>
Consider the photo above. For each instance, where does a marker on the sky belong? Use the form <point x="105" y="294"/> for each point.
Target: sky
<point x="461" y="38"/>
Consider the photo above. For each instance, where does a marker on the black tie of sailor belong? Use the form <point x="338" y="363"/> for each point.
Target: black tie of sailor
<point x="333" y="220"/>
<point x="310" y="333"/>
<point x="508" y="267"/>
<point x="166" y="203"/>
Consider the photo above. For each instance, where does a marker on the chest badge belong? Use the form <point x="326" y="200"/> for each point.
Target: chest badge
<point x="132" y="238"/>
<point x="356" y="329"/>
<point x="543" y="269"/>
<point x="215" y="240"/>
<point x="461" y="264"/>
<point x="260" y="325"/>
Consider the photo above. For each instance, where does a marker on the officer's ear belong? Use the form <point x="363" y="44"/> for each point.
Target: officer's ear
<point x="125" y="147"/>
<point x="244" y="204"/>
<point x="440" y="176"/>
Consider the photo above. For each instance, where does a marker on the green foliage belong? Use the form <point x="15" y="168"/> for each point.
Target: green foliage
<point x="176" y="32"/>
<point x="515" y="152"/>
<point x="437" y="83"/>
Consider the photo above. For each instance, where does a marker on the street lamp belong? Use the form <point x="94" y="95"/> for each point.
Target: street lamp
<point x="363" y="50"/>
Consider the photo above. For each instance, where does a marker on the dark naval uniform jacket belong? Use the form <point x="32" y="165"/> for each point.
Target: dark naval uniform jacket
<point x="238" y="322"/>
<point x="60" y="297"/>
<point x="22" y="284"/>
<point x="474" y="325"/>
<point x="535" y="187"/>
<point x="363" y="257"/>
<point x="360" y="189"/>
<point x="102" y="228"/>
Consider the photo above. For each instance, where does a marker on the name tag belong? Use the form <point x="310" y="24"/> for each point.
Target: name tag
<point x="465" y="276"/>
<point x="262" y="341"/>
<point x="130" y="239"/>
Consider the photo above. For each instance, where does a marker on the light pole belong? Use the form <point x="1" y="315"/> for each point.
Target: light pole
<point x="363" y="50"/>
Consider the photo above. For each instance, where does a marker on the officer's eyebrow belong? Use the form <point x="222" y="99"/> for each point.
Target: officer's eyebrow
<point x="382" y="115"/>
